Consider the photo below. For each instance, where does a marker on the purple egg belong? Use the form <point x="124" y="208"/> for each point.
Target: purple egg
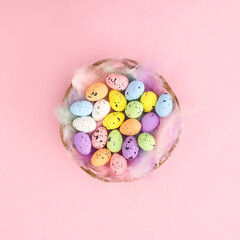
<point x="130" y="148"/>
<point x="82" y="143"/>
<point x="149" y="122"/>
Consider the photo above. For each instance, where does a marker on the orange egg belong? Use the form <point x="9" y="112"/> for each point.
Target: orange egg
<point x="96" y="92"/>
<point x="101" y="157"/>
<point x="130" y="127"/>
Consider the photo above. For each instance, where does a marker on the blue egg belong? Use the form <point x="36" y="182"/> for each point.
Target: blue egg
<point x="134" y="90"/>
<point x="81" y="108"/>
<point x="164" y="105"/>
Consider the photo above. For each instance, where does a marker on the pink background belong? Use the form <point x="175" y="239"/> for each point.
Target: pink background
<point x="196" y="47"/>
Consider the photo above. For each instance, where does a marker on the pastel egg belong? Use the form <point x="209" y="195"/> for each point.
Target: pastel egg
<point x="134" y="90"/>
<point x="130" y="127"/>
<point x="134" y="109"/>
<point x="118" y="164"/>
<point x="164" y="105"/>
<point x="96" y="91"/>
<point x="114" y="141"/>
<point x="101" y="157"/>
<point x="117" y="81"/>
<point x="130" y="148"/>
<point x="149" y="122"/>
<point x="84" y="124"/>
<point x="100" y="109"/>
<point x="113" y="120"/>
<point x="148" y="100"/>
<point x="82" y="143"/>
<point x="99" y="137"/>
<point x="146" y="141"/>
<point x="117" y="100"/>
<point x="81" y="108"/>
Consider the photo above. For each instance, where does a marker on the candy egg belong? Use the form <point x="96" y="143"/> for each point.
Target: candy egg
<point x="100" y="109"/>
<point x="82" y="143"/>
<point x="146" y="141"/>
<point x="113" y="120"/>
<point x="101" y="157"/>
<point x="117" y="100"/>
<point x="81" y="108"/>
<point x="118" y="164"/>
<point x="164" y="105"/>
<point x="114" y="141"/>
<point x="99" y="138"/>
<point x="130" y="127"/>
<point x="148" y="100"/>
<point x="117" y="81"/>
<point x="130" y="148"/>
<point x="134" y="109"/>
<point x="134" y="90"/>
<point x="84" y="124"/>
<point x="96" y="91"/>
<point x="149" y="122"/>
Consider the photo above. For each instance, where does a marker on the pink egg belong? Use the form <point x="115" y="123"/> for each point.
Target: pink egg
<point x="117" y="81"/>
<point x="99" y="137"/>
<point x="118" y="164"/>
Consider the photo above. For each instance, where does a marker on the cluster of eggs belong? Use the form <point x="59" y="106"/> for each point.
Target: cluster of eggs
<point x="138" y="106"/>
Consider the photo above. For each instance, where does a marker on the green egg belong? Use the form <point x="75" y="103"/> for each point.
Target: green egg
<point x="146" y="141"/>
<point x="115" y="141"/>
<point x="134" y="109"/>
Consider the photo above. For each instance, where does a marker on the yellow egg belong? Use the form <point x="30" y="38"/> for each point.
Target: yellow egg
<point x="148" y="100"/>
<point x="101" y="157"/>
<point x="96" y="92"/>
<point x="113" y="120"/>
<point x="130" y="127"/>
<point x="117" y="100"/>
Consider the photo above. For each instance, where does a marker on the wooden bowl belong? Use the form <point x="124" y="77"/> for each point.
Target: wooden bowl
<point x="129" y="64"/>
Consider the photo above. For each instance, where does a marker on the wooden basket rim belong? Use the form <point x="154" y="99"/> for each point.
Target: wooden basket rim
<point x="129" y="63"/>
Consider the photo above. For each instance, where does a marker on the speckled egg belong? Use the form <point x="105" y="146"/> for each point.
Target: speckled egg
<point x="113" y="120"/>
<point x="164" y="105"/>
<point x="134" y="90"/>
<point x="99" y="137"/>
<point x="96" y="91"/>
<point x="134" y="109"/>
<point x="114" y="141"/>
<point x="149" y="122"/>
<point x="130" y="127"/>
<point x="101" y="157"/>
<point x="148" y="100"/>
<point x="100" y="109"/>
<point x="117" y="100"/>
<point x="84" y="124"/>
<point x="82" y="143"/>
<point x="118" y="164"/>
<point x="146" y="141"/>
<point x="117" y="81"/>
<point x="130" y="148"/>
<point x="81" y="108"/>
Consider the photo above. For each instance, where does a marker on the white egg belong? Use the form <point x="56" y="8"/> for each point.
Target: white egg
<point x="84" y="124"/>
<point x="100" y="109"/>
